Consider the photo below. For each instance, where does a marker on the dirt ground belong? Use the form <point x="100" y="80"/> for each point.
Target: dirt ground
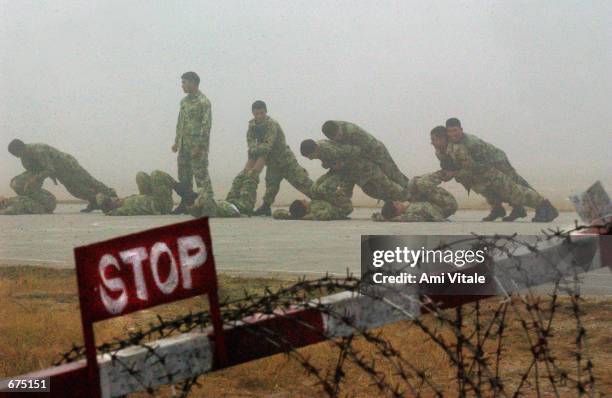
<point x="40" y="319"/>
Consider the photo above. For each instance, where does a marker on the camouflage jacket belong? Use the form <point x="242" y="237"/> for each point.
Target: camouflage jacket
<point x="481" y="151"/>
<point x="194" y="122"/>
<point x="469" y="170"/>
<point x="319" y="210"/>
<point x="208" y="207"/>
<point x="154" y="198"/>
<point x="416" y="212"/>
<point x="355" y="135"/>
<point x="45" y="161"/>
<point x="268" y="139"/>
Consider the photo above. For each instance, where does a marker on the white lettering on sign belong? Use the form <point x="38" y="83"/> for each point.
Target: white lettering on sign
<point x="191" y="261"/>
<point x="114" y="306"/>
<point x="136" y="257"/>
<point x="171" y="282"/>
<point x="192" y="254"/>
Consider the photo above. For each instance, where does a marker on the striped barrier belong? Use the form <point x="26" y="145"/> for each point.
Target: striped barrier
<point x="139" y="368"/>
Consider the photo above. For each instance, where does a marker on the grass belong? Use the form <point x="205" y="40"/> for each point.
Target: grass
<point x="40" y="318"/>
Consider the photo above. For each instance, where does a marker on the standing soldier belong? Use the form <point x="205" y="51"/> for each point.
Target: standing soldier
<point x="371" y="148"/>
<point x="42" y="161"/>
<point x="192" y="141"/>
<point x="265" y="139"/>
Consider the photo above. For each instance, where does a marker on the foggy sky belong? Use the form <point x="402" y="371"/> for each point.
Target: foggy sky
<point x="101" y="80"/>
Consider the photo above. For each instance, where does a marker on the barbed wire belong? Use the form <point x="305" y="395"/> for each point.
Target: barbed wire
<point x="475" y="338"/>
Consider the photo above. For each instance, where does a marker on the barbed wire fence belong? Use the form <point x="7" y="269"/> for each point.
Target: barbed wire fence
<point x="508" y="345"/>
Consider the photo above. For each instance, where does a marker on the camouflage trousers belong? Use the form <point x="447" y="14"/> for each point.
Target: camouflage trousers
<point x="382" y="188"/>
<point x="18" y="184"/>
<point x="44" y="203"/>
<point x="319" y="210"/>
<point x="193" y="167"/>
<point x="425" y="189"/>
<point x="505" y="167"/>
<point x="499" y="188"/>
<point x="291" y="171"/>
<point x="383" y="159"/>
<point x="335" y="189"/>
<point x="243" y="192"/>
<point x="31" y="199"/>
<point x="416" y="212"/>
<point x="154" y="196"/>
<point x="79" y="182"/>
<point x="239" y="201"/>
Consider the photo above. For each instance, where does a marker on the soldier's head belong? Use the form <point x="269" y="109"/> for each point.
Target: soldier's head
<point x="309" y="149"/>
<point x="299" y="208"/>
<point x="190" y="82"/>
<point x="392" y="209"/>
<point x="454" y="129"/>
<point x="17" y="148"/>
<point x="332" y="130"/>
<point x="260" y="110"/>
<point x="439" y="137"/>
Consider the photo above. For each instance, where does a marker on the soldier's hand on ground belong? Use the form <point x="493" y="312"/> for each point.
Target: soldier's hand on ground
<point x="174" y="148"/>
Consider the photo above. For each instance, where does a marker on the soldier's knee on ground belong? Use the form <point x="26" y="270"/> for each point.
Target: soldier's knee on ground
<point x="143" y="181"/>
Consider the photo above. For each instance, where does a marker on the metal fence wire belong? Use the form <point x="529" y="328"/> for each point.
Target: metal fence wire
<point x="525" y="343"/>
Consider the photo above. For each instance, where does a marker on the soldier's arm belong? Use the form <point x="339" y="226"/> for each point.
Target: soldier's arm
<point x="178" y="126"/>
<point x="467" y="164"/>
<point x="264" y="148"/>
<point x="206" y="118"/>
<point x="45" y="167"/>
<point x="330" y="153"/>
<point x="251" y="142"/>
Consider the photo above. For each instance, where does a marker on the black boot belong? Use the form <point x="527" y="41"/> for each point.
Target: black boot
<point x="546" y="212"/>
<point x="496" y="212"/>
<point x="517" y="212"/>
<point x="187" y="200"/>
<point x="263" y="210"/>
<point x="91" y="206"/>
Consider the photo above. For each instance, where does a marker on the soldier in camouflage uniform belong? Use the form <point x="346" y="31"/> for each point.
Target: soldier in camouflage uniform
<point x="486" y="156"/>
<point x="315" y="210"/>
<point x="42" y="161"/>
<point x="192" y="141"/>
<point x="30" y="199"/>
<point x="347" y="160"/>
<point x="331" y="195"/>
<point x="428" y="203"/>
<point x="492" y="183"/>
<point x="154" y="197"/>
<point x="371" y="148"/>
<point x="239" y="201"/>
<point x="265" y="139"/>
<point x="21" y="204"/>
